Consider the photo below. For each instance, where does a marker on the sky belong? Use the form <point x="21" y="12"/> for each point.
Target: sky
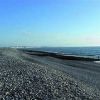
<point x="55" y="23"/>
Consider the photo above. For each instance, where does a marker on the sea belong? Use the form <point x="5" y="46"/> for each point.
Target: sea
<point x="79" y="51"/>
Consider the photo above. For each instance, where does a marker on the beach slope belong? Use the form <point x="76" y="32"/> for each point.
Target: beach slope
<point x="30" y="77"/>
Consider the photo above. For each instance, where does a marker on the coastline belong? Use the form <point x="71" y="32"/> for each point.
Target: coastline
<point x="46" y="78"/>
<point x="60" y="55"/>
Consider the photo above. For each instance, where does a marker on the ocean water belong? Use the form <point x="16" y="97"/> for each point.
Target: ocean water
<point x="80" y="51"/>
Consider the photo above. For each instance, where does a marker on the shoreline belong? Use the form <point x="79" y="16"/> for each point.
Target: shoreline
<point x="60" y="55"/>
<point x="47" y="78"/>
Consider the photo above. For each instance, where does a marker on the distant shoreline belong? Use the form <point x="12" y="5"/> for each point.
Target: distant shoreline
<point x="59" y="55"/>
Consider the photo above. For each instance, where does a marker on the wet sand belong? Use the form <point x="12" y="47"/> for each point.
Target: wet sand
<point x="30" y="77"/>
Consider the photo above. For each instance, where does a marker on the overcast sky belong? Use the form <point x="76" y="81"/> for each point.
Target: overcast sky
<point x="50" y="23"/>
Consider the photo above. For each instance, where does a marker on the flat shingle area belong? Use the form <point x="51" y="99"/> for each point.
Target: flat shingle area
<point x="21" y="79"/>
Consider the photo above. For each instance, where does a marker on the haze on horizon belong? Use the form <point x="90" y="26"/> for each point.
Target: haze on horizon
<point x="50" y="23"/>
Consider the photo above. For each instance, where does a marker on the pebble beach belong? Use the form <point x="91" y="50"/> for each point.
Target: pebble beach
<point x="25" y="77"/>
